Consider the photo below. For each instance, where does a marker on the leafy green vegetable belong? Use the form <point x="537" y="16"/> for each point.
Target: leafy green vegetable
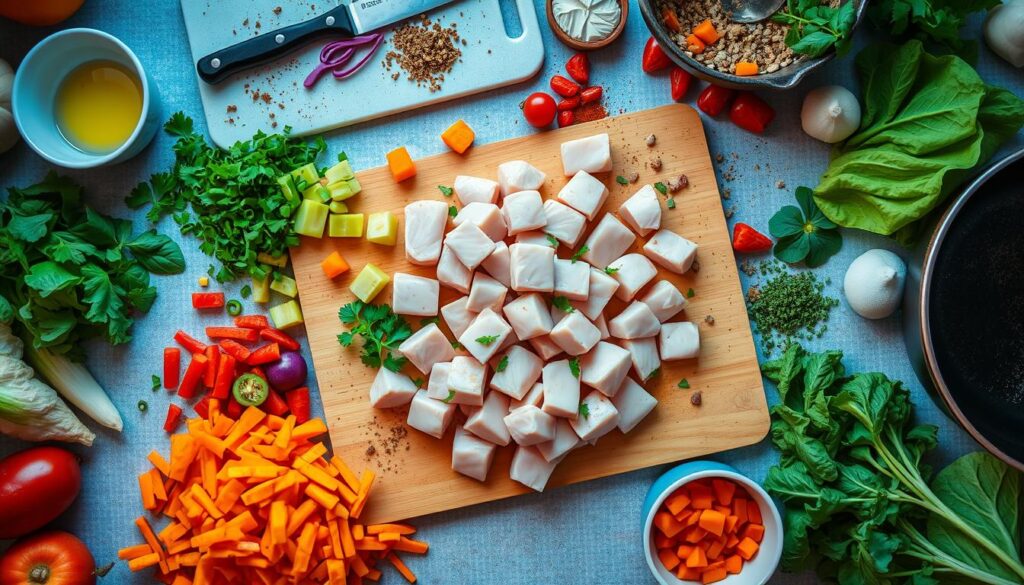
<point x="804" y="234"/>
<point x="382" y="332"/>
<point x="671" y="203"/>
<point x="562" y="304"/>
<point x="938" y="21"/>
<point x="574" y="367"/>
<point x="502" y="364"/>
<point x="446" y="191"/>
<point x="579" y="253"/>
<point x="486" y="339"/>
<point x="816" y="27"/>
<point x="245" y="292"/>
<point x="621" y="180"/>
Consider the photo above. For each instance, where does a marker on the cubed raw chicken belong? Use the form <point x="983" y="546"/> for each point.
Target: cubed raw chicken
<point x="602" y="326"/>
<point x="523" y="212"/>
<point x="537" y="238"/>
<point x="486" y="292"/>
<point x="466" y="380"/>
<point x="679" y="341"/>
<point x="644" y="355"/>
<point x="601" y="289"/>
<point x="530" y="425"/>
<point x="488" y="422"/>
<point x="511" y="340"/>
<point x="470" y="244"/>
<point x="592" y="154"/>
<point x="565" y="440"/>
<point x="519" y="175"/>
<point x="607" y="242"/>
<point x="521" y="371"/>
<point x="427" y="347"/>
<point x="429" y="415"/>
<point x="425" y="221"/>
<point x="633" y="403"/>
<point x="530" y="468"/>
<point x="584" y="193"/>
<point x="642" y="211"/>
<point x="529" y="316"/>
<point x="487" y="327"/>
<point x="437" y="384"/>
<point x="561" y="390"/>
<point x="572" y="279"/>
<point x="575" y="334"/>
<point x="391" y="389"/>
<point x="634" y="322"/>
<point x="556" y="313"/>
<point x="486" y="216"/>
<point x="563" y="222"/>
<point x="498" y="264"/>
<point x="532" y="268"/>
<point x="535" y="397"/>
<point x="665" y="300"/>
<point x="544" y="347"/>
<point x="452" y="273"/>
<point x="471" y="455"/>
<point x="604" y="367"/>
<point x="598" y="416"/>
<point x="672" y="251"/>
<point x="475" y="190"/>
<point x="633" y="272"/>
<point x="414" y="295"/>
<point x="457" y="315"/>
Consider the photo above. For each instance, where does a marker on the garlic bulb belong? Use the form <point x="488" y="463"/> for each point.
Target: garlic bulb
<point x="8" y="131"/>
<point x="874" y="283"/>
<point x="1004" y="31"/>
<point x="830" y="113"/>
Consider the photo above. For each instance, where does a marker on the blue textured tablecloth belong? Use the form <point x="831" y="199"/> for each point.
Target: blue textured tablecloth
<point x="586" y="533"/>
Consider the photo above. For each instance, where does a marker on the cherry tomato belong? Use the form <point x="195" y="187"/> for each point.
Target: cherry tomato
<point x="578" y="67"/>
<point x="591" y="94"/>
<point x="751" y="113"/>
<point x="539" y="109"/>
<point x="654" y="58"/>
<point x="746" y="239"/>
<point x="566" y="118"/>
<point x="679" y="82"/>
<point x="714" y="99"/>
<point x="50" y="558"/>
<point x="564" y="86"/>
<point x="36" y="486"/>
<point x="569" y="104"/>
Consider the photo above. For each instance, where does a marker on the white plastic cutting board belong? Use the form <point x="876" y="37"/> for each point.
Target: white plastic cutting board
<point x="490" y="59"/>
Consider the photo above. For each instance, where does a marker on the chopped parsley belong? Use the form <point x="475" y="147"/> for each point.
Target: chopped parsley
<point x="428" y="321"/>
<point x="451" y="396"/>
<point x="621" y="180"/>
<point x="502" y="364"/>
<point x="156" y="382"/>
<point x="610" y="270"/>
<point x="486" y="339"/>
<point x="690" y="293"/>
<point x="381" y="330"/>
<point x="446" y="191"/>
<point x="574" y="367"/>
<point x="456" y="345"/>
<point x="452" y="211"/>
<point x="552" y="240"/>
<point x="342" y="157"/>
<point x="579" y="254"/>
<point x="418" y="382"/>
<point x="671" y="203"/>
<point x="584" y="410"/>
<point x="684" y="383"/>
<point x="245" y="291"/>
<point x="562" y="304"/>
<point x="661" y="188"/>
<point x="653" y="373"/>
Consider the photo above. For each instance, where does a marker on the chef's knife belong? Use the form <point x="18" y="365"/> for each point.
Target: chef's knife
<point x="348" y="19"/>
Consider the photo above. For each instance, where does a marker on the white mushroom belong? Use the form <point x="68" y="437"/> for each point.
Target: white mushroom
<point x="528" y="316"/>
<point x="523" y="211"/>
<point x="484" y="336"/>
<point x="608" y="241"/>
<point x="642" y="211"/>
<point x="427" y="347"/>
<point x="470" y="244"/>
<point x="644" y="355"/>
<point x="575" y="334"/>
<point x="530" y="468"/>
<point x="633" y="272"/>
<point x="486" y="292"/>
<point x="592" y="154"/>
<point x="488" y="422"/>
<point x="665" y="300"/>
<point x="498" y="264"/>
<point x="601" y="289"/>
<point x="517" y="372"/>
<point x="519" y="175"/>
<point x="672" y="251"/>
<point x="633" y="403"/>
<point x="472" y="456"/>
<point x="532" y="268"/>
<point x="598" y="416"/>
<point x="466" y="381"/>
<point x="561" y="390"/>
<point x="430" y="416"/>
<point x="572" y="279"/>
<point x="485" y="216"/>
<point x="679" y="341"/>
<point x="414" y="295"/>
<point x="585" y="194"/>
<point x="457" y="316"/>
<point x="530" y="425"/>
<point x="475" y="190"/>
<point x="565" y="440"/>
<point x="604" y="367"/>
<point x="452" y="273"/>
<point x="563" y="222"/>
<point x="391" y="389"/>
<point x="425" y="222"/>
<point x="634" y="322"/>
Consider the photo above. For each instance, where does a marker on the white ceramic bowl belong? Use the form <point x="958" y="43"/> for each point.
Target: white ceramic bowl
<point x="757" y="571"/>
<point x="35" y="91"/>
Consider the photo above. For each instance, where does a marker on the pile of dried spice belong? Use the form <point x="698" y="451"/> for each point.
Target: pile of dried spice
<point x="425" y="50"/>
<point x="788" y="306"/>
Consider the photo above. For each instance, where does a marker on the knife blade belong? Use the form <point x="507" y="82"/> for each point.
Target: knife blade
<point x="347" y="19"/>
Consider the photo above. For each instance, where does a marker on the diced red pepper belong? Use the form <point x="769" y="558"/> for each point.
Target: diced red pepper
<point x="281" y="338"/>
<point x="591" y="94"/>
<point x="654" y="58"/>
<point x="208" y="300"/>
<point x="202" y="407"/>
<point x="225" y="377"/>
<point x="235" y="350"/>
<point x="213" y="357"/>
<point x="751" y="113"/>
<point x="578" y="67"/>
<point x="714" y="99"/>
<point x="252" y="321"/>
<point x="234" y="409"/>
<point x="237" y="333"/>
<point x="566" y="118"/>
<point x="269" y="353"/>
<point x="746" y="239"/>
<point x="298" y="403"/>
<point x="259" y="372"/>
<point x="564" y="86"/>
<point x="172" y="367"/>
<point x="173" y="418"/>
<point x="193" y="375"/>
<point x="274" y="404"/>
<point x="191" y="344"/>
<point x="568" y="104"/>
<point x="679" y="81"/>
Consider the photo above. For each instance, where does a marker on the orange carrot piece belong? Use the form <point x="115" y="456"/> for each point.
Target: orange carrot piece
<point x="133" y="552"/>
<point x="668" y="558"/>
<point x="747" y="68"/>
<point x="684" y="551"/>
<point x="459" y="136"/>
<point x="151" y="540"/>
<point x="411" y="546"/>
<point x="662" y="541"/>
<point x="348" y="544"/>
<point x="687" y="574"/>
<point x="713" y="521"/>
<point x="734" y="564"/>
<point x="697" y="559"/>
<point x="694" y="534"/>
<point x="700" y="496"/>
<point x="731" y="523"/>
<point x="403" y="529"/>
<point x="159" y="463"/>
<point x="724" y="490"/>
<point x="677" y="502"/>
<point x="668" y="16"/>
<point x="667" y="524"/>
<point x="401" y="164"/>
<point x="754" y="532"/>
<point x="695" y="45"/>
<point x="397" y="562"/>
<point x="739" y="509"/>
<point x="706" y="32"/>
<point x="715" y="550"/>
<point x="714" y="575"/>
<point x="334" y="265"/>
<point x="143" y="562"/>
<point x="754" y="513"/>
<point x="747" y="548"/>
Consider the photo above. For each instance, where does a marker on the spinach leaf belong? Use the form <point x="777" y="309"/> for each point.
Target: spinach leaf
<point x="47" y="278"/>
<point x="157" y="253"/>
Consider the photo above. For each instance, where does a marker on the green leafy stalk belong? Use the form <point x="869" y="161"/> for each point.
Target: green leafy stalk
<point x="815" y="28"/>
<point x="381" y="330"/>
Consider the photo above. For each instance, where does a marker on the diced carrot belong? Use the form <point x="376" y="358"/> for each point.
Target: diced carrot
<point x="697" y="558"/>
<point x="258" y="322"/>
<point x="133" y="552"/>
<point x="724" y="490"/>
<point x="706" y="32"/>
<point x="730" y="523"/>
<point x="236" y="333"/>
<point x="334" y="265"/>
<point x="662" y="541"/>
<point x="412" y="546"/>
<point x="159" y="462"/>
<point x="754" y="513"/>
<point x="700" y="496"/>
<point x="734" y="564"/>
<point x="677" y="502"/>
<point x="693" y="519"/>
<point x="747" y="548"/>
<point x="713" y="521"/>
<point x="695" y="45"/>
<point x="739" y="509"/>
<point x="668" y="558"/>
<point x="668" y="16"/>
<point x="459" y="136"/>
<point x="687" y="574"/>
<point x="731" y="541"/>
<point x="754" y="532"/>
<point x="714" y="550"/>
<point x="747" y="68"/>
<point x="403" y="529"/>
<point x="694" y="534"/>
<point x="667" y="524"/>
<point x="684" y="551"/>
<point x="714" y="575"/>
<point x="143" y="562"/>
<point x="401" y="164"/>
<point x="397" y="562"/>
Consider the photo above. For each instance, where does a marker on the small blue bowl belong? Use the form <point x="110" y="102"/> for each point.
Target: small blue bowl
<point x="758" y="570"/>
<point x="35" y="91"/>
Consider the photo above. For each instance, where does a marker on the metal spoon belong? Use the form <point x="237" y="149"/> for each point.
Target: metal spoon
<point x="747" y="11"/>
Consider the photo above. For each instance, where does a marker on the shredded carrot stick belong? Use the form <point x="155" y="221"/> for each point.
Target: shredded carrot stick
<point x="397" y="562"/>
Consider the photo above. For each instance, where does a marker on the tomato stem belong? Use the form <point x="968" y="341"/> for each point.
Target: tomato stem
<point x="39" y="574"/>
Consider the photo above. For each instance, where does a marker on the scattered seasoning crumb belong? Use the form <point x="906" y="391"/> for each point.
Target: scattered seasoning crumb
<point x="634" y="177"/>
<point x="695" y="267"/>
<point x="748" y="268"/>
<point x="696" y="398"/>
<point x="730" y="212"/>
<point x="677" y="184"/>
<point x="719" y="157"/>
<point x="277" y="10"/>
<point x="371" y="451"/>
<point x="780" y="184"/>
<point x="245" y="22"/>
<point x="710" y="319"/>
<point x="266" y="98"/>
<point x="788" y="306"/>
<point x="232" y="109"/>
<point x="726" y="193"/>
<point x="651" y="140"/>
<point x="425" y="50"/>
<point x="590" y="112"/>
<point x="655" y="163"/>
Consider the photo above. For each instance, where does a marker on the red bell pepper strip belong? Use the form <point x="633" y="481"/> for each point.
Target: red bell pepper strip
<point x="578" y="67"/>
<point x="252" y="321"/>
<point x="235" y="350"/>
<point x="274" y="404"/>
<point x="564" y="86"/>
<point x="193" y="375"/>
<point x="654" y="58"/>
<point x="714" y="99"/>
<point x="225" y="377"/>
<point x="234" y="409"/>
<point x="191" y="344"/>
<point x="209" y="300"/>
<point x="751" y="113"/>
<point x="172" y="367"/>
<point x="237" y="333"/>
<point x="298" y="403"/>
<point x="679" y="82"/>
<point x="746" y="239"/>
<point x="281" y="338"/>
<point x="269" y="353"/>
<point x="213" y="358"/>
<point x="591" y="94"/>
<point x="202" y="407"/>
<point x="173" y="418"/>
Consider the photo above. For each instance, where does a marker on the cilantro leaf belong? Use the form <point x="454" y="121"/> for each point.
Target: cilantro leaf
<point x="690" y="293"/>
<point x="684" y="383"/>
<point x="621" y="180"/>
<point x="157" y="253"/>
<point x="610" y="270"/>
<point x="451" y="396"/>
<point x="653" y="373"/>
<point x="671" y="203"/>
<point x="552" y="240"/>
<point x="446" y="191"/>
<point x="579" y="254"/>
<point x="452" y="211"/>
<point x="502" y="364"/>
<point x="661" y="188"/>
<point x="574" y="367"/>
<point x="418" y="382"/>
<point x="585" y="410"/>
<point x="562" y="304"/>
<point x="381" y="331"/>
<point x="156" y="382"/>
<point x="486" y="339"/>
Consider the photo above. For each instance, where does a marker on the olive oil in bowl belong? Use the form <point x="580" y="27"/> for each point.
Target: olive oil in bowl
<point x="98" y="106"/>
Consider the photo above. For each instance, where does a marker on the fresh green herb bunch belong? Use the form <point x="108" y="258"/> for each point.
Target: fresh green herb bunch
<point x="788" y="306"/>
<point x="69" y="273"/>
<point x="229" y="199"/>
<point x="937" y="21"/>
<point x="815" y="27"/>
<point x="382" y="332"/>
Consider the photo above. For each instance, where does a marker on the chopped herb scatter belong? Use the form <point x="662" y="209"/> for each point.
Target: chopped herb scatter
<point x="156" y="382"/>
<point x="446" y="191"/>
<point x="690" y="293"/>
<point x="574" y="367"/>
<point x="610" y="270"/>
<point x="456" y="345"/>
<point x="245" y="292"/>
<point x="684" y="383"/>
<point x="584" y="410"/>
<point x="653" y="374"/>
<point x="562" y="304"/>
<point x="621" y="180"/>
<point x="486" y="339"/>
<point x="451" y="396"/>
<point x="789" y="306"/>
<point x="671" y="203"/>
<point x="552" y="240"/>
<point x="381" y="330"/>
<point x="418" y="382"/>
<point x="143" y="406"/>
<point x="579" y="254"/>
<point x="661" y="188"/>
<point x="452" y="211"/>
<point x="502" y="364"/>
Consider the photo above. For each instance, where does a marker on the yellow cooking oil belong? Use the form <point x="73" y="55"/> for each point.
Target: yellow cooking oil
<point x="98" y="106"/>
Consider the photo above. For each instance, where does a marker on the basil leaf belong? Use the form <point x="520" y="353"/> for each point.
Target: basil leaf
<point x="157" y="253"/>
<point x="49" y="277"/>
<point x="793" y="249"/>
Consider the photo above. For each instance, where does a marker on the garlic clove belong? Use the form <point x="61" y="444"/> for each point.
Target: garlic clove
<point x="830" y="113"/>
<point x="1004" y="31"/>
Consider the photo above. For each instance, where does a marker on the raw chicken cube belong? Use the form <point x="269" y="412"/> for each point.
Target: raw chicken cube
<point x="535" y="397"/>
<point x="633" y="272"/>
<point x="665" y="300"/>
<point x="437" y="384"/>
<point x="457" y="316"/>
<point x="475" y="190"/>
<point x="452" y="273"/>
<point x="556" y="313"/>
<point x="484" y="336"/>
<point x="466" y="381"/>
<point x="425" y="222"/>
<point x="585" y="194"/>
<point x="672" y="251"/>
<point x="498" y="264"/>
<point x="520" y="372"/>
<point x="679" y="341"/>
<point x="391" y="389"/>
<point x="608" y="241"/>
<point x="600" y="290"/>
<point x="530" y="468"/>
<point x="519" y="175"/>
<point x="644" y="355"/>
<point x="537" y="238"/>
<point x="414" y="295"/>
<point x="488" y="422"/>
<point x="523" y="211"/>
<point x="592" y="154"/>
<point x="532" y="268"/>
<point x="642" y="211"/>
<point x="485" y="216"/>
<point x="604" y="367"/>
<point x="602" y="326"/>
<point x="635" y="321"/>
<point x="470" y="244"/>
<point x="427" y="347"/>
<point x="633" y="403"/>
<point x="561" y="390"/>
<point x="544" y="347"/>
<point x="511" y="340"/>
<point x="565" y="440"/>
<point x="572" y="279"/>
<point x="529" y="316"/>
<point x="430" y="416"/>
<point x="563" y="222"/>
<point x="472" y="456"/>
<point x="530" y="425"/>
<point x="575" y="334"/>
<point x="598" y="416"/>
<point x="486" y="292"/>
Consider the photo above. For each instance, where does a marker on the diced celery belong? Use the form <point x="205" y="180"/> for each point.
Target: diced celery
<point x="382" y="228"/>
<point x="310" y="218"/>
<point x="284" y="285"/>
<point x="306" y="174"/>
<point x="340" y="190"/>
<point x="369" y="283"/>
<point x="261" y="289"/>
<point x="340" y="172"/>
<point x="279" y="261"/>
<point x="338" y="207"/>
<point x="288" y="187"/>
<point x="286" y="315"/>
<point x="345" y="225"/>
<point x="316" y="193"/>
<point x="353" y="184"/>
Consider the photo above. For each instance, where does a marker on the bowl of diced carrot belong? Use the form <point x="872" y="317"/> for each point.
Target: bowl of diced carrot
<point x="704" y="522"/>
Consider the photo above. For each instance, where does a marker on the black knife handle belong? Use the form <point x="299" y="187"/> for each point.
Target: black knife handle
<point x="268" y="46"/>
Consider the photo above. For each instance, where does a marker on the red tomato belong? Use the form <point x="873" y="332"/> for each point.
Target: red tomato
<point x="751" y="113"/>
<point x="746" y="239"/>
<point x="654" y="58"/>
<point x="36" y="486"/>
<point x="48" y="558"/>
<point x="578" y="67"/>
<point x="714" y="99"/>
<point x="566" y="118"/>
<point x="539" y="109"/>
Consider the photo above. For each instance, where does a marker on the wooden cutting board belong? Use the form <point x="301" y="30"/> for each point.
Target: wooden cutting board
<point x="415" y="475"/>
